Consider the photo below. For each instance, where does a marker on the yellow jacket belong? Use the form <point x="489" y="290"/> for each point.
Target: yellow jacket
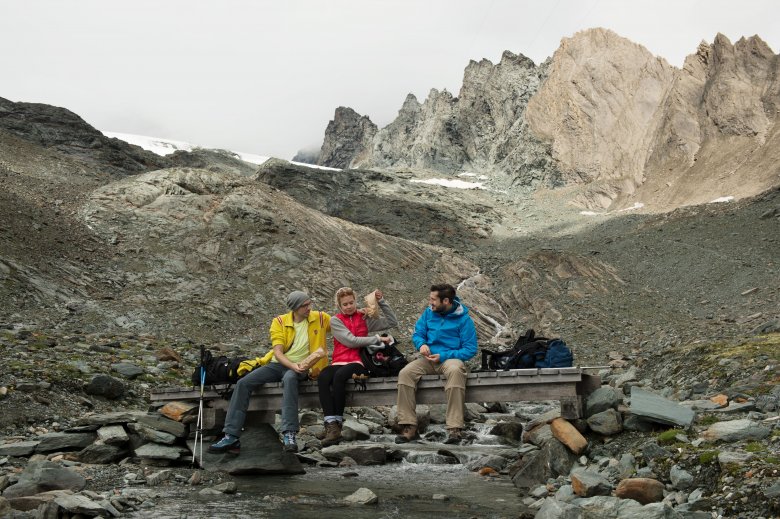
<point x="283" y="332"/>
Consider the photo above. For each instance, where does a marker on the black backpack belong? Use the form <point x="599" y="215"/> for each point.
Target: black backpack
<point x="529" y="351"/>
<point x="385" y="362"/>
<point x="219" y="370"/>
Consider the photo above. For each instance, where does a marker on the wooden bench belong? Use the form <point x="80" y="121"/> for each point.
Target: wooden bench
<point x="568" y="385"/>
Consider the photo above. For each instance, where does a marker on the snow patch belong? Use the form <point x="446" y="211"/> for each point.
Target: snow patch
<point x="166" y="146"/>
<point x="722" y="199"/>
<point x="458" y="184"/>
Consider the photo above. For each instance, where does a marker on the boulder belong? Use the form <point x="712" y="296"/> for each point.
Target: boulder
<point x="106" y="386"/>
<point x="602" y="399"/>
<point x="64" y="441"/>
<point x="643" y="490"/>
<point x="99" y="453"/>
<point x="18" y="449"/>
<point x="606" y="422"/>
<point x="353" y="430"/>
<point x="568" y="435"/>
<point x="362" y="454"/>
<point x="656" y="408"/>
<point x="113" y="435"/>
<point x="681" y="479"/>
<point x="362" y="496"/>
<point x="261" y="453"/>
<point x="735" y="430"/>
<point x="41" y="476"/>
<point x="79" y="504"/>
<point x="159" y="422"/>
<point x="588" y="484"/>
<point x="551" y="461"/>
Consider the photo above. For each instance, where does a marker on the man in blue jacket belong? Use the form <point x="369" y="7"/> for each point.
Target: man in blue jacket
<point x="446" y="338"/>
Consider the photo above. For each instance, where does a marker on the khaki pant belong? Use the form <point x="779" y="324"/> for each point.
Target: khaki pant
<point x="455" y="388"/>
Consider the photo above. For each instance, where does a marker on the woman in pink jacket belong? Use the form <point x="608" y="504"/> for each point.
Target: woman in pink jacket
<point x="352" y="329"/>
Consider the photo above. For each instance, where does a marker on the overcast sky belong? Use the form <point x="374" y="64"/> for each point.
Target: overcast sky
<point x="266" y="76"/>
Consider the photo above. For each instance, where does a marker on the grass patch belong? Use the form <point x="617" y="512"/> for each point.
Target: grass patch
<point x="708" y="457"/>
<point x="755" y="447"/>
<point x="708" y="419"/>
<point x="669" y="436"/>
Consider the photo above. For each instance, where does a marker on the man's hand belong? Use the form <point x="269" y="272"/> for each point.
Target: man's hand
<point x="297" y="368"/>
<point x="387" y="339"/>
<point x="433" y="358"/>
<point x="425" y="350"/>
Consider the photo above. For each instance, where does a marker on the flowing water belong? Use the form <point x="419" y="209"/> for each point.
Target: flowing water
<point x="405" y="490"/>
<point x="431" y="486"/>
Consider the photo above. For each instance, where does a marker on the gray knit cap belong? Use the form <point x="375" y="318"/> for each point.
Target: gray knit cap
<point x="296" y="299"/>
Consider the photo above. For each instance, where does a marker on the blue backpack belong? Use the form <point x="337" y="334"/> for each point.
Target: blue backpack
<point x="558" y="356"/>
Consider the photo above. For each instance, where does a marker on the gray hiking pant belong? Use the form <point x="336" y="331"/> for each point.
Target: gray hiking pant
<point x="271" y="372"/>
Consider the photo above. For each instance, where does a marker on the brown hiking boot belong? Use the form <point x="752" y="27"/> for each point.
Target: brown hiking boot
<point x="332" y="434"/>
<point x="454" y="436"/>
<point x="408" y="433"/>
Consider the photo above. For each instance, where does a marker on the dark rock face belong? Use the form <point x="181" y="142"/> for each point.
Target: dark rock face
<point x="64" y="131"/>
<point x="348" y="139"/>
<point x="218" y="161"/>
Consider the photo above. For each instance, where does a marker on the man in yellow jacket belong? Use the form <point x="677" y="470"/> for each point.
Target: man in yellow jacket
<point x="294" y="336"/>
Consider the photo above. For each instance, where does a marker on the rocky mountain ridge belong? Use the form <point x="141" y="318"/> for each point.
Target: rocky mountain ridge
<point x="603" y="115"/>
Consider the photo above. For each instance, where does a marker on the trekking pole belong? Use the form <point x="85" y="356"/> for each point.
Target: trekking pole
<point x="199" y="423"/>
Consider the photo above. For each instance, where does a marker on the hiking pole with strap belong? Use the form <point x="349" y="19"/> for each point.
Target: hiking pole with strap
<point x="199" y="424"/>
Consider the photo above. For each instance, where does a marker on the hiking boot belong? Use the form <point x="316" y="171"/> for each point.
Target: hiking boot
<point x="454" y="436"/>
<point x="229" y="444"/>
<point x="288" y="439"/>
<point x="408" y="433"/>
<point x="332" y="434"/>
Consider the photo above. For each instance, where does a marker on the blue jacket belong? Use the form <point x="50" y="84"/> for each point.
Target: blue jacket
<point x="451" y="335"/>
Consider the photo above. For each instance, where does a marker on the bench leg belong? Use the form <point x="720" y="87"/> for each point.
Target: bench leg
<point x="571" y="407"/>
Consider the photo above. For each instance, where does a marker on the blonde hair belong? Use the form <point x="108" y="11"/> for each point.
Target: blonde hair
<point x="343" y="292"/>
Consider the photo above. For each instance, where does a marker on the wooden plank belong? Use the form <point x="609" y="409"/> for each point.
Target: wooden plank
<point x="496" y="380"/>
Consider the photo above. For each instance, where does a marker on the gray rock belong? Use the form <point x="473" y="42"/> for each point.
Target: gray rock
<point x="228" y="487"/>
<point x="565" y="493"/>
<point x="600" y="400"/>
<point x="99" y="453"/>
<point x="652" y="407"/>
<point x="106" y="386"/>
<point x="725" y="457"/>
<point x="552" y="460"/>
<point x="113" y="435"/>
<point x="157" y="451"/>
<point x="308" y="418"/>
<point x="773" y="491"/>
<point x="118" y="417"/>
<point x="78" y="504"/>
<point x="735" y="430"/>
<point x="681" y="479"/>
<point x="153" y="480"/>
<point x="511" y="431"/>
<point x="606" y="422"/>
<point x="362" y="496"/>
<point x="41" y="476"/>
<point x="651" y="450"/>
<point x="362" y="454"/>
<point x="623" y="378"/>
<point x="161" y="423"/>
<point x="5" y="507"/>
<point x="631" y="422"/>
<point x="588" y="484"/>
<point x="613" y="507"/>
<point x="261" y="453"/>
<point x="353" y="430"/>
<point x="18" y="449"/>
<point x="152" y="435"/>
<point x="555" y="509"/>
<point x="736" y="407"/>
<point x="51" y="442"/>
<point x="127" y="370"/>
